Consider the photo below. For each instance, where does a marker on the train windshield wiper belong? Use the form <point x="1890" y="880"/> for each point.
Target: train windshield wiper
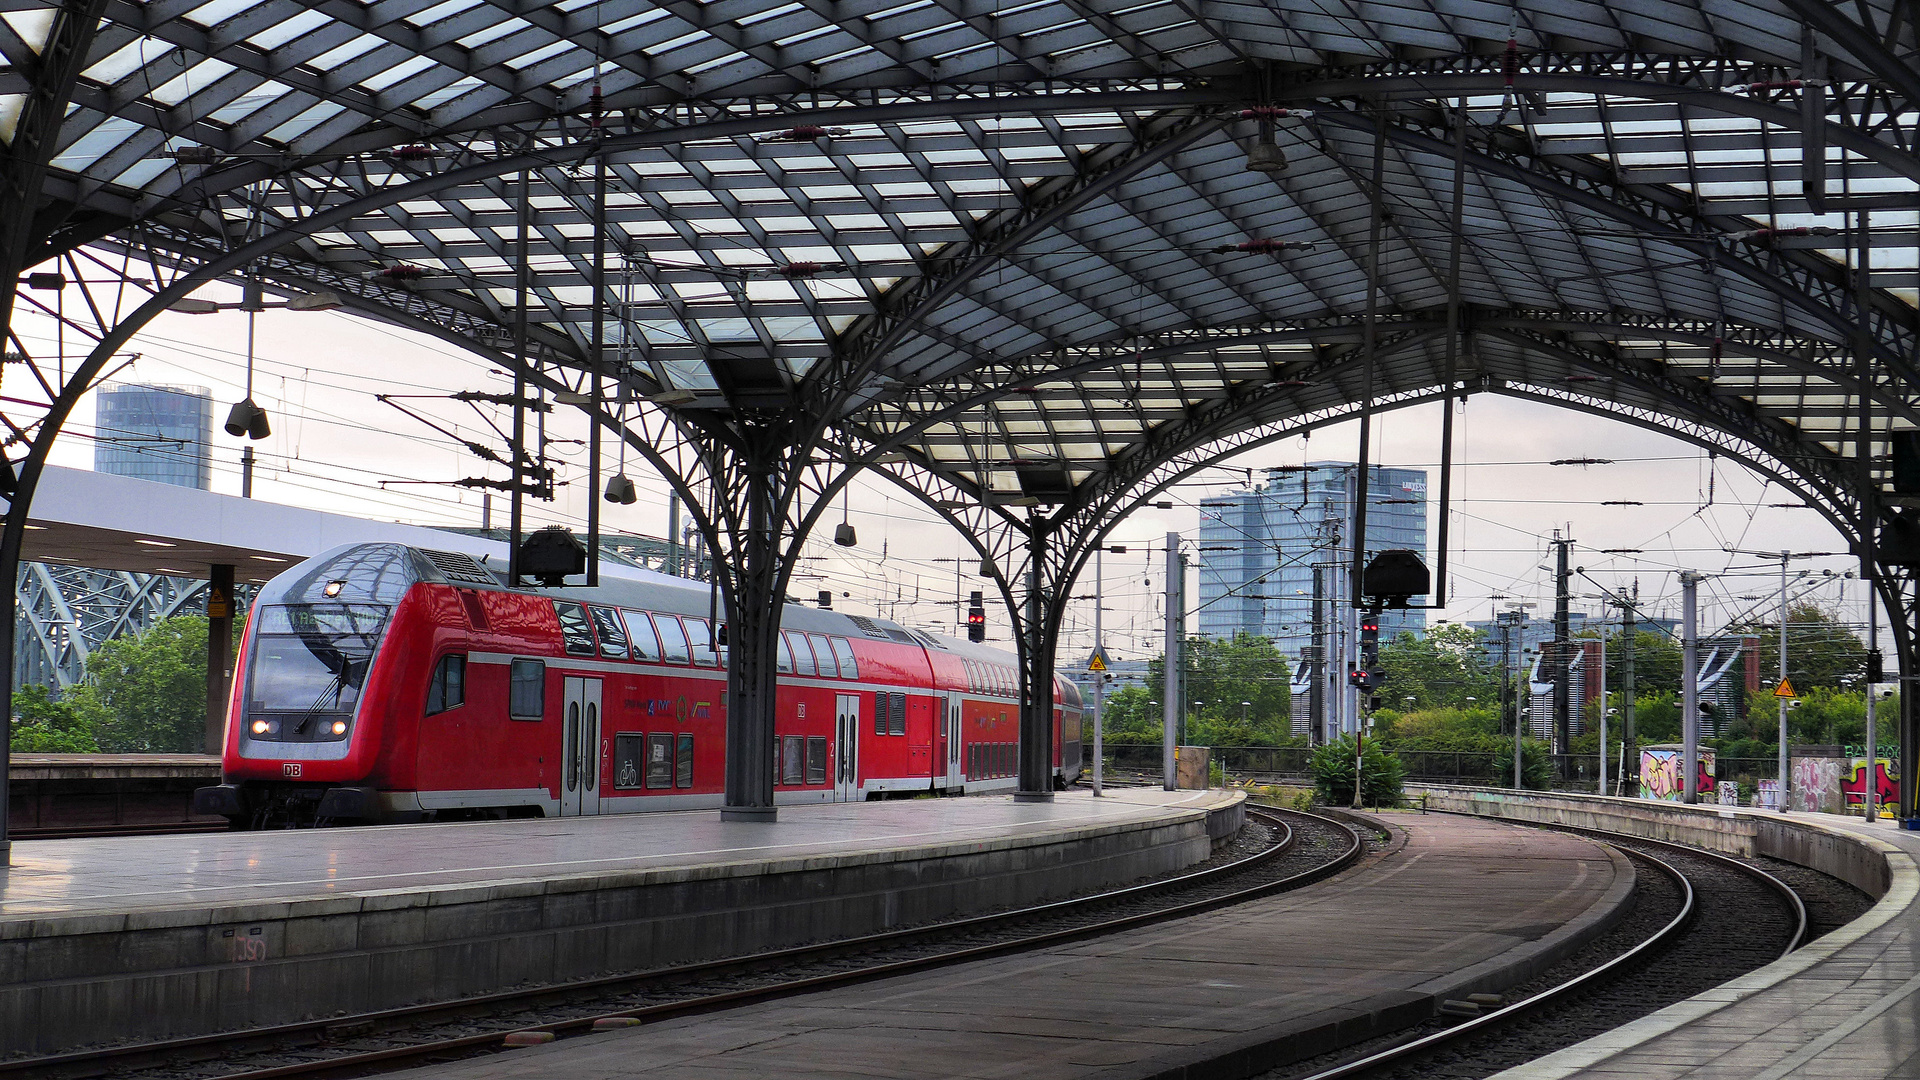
<point x="334" y="686"/>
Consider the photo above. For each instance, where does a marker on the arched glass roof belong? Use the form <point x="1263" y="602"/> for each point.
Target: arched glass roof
<point x="1021" y="243"/>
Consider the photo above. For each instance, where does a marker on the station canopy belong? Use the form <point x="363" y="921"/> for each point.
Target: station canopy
<point x="1029" y="247"/>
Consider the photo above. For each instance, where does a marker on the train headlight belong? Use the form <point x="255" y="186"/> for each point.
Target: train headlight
<point x="339" y="727"/>
<point x="261" y="727"/>
<point x="332" y="589"/>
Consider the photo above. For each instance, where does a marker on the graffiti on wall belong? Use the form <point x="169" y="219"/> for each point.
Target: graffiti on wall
<point x="1662" y="776"/>
<point x="1853" y="784"/>
<point x="1816" y="785"/>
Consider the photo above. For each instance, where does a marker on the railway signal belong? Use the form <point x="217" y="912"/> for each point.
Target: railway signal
<point x="976" y="618"/>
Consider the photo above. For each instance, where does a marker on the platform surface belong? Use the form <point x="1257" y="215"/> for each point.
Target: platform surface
<point x="1847" y="1007"/>
<point x="1459" y="893"/>
<point x="126" y="874"/>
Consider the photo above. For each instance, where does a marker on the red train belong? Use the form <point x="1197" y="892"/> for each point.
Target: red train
<point x="383" y="683"/>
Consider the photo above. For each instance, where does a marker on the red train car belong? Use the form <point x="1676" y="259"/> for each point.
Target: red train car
<point x="382" y="683"/>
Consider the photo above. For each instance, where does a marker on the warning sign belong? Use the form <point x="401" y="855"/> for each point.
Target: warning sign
<point x="1098" y="661"/>
<point x="1785" y="689"/>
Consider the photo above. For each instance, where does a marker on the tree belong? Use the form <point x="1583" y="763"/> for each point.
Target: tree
<point x="1131" y="715"/>
<point x="147" y="693"/>
<point x="1822" y="650"/>
<point x="42" y="725"/>
<point x="1220" y="676"/>
<point x="1656" y="662"/>
<point x="1443" y="667"/>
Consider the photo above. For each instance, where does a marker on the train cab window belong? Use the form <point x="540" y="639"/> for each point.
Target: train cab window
<point x="843" y="654"/>
<point x="802" y="655"/>
<point x="641" y="638"/>
<point x="683" y="762"/>
<point x="793" y="759"/>
<point x="784" y="661"/>
<point x="660" y="761"/>
<point x="704" y="653"/>
<point x="613" y="638"/>
<point x="449" y="685"/>
<point x="574" y="630"/>
<point x="673" y="640"/>
<point x="629" y="751"/>
<point x="527" y="690"/>
<point x="823" y="652"/>
<point x="816" y="759"/>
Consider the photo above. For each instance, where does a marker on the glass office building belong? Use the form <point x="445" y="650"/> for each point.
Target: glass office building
<point x="155" y="433"/>
<point x="1259" y="549"/>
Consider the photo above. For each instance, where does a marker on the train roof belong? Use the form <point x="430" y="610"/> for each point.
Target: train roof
<point x="381" y="571"/>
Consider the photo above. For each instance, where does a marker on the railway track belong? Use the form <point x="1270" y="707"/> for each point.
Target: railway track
<point x="1717" y="915"/>
<point x="1301" y="849"/>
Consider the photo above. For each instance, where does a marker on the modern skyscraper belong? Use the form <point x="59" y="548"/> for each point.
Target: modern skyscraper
<point x="1259" y="549"/>
<point x="1274" y="554"/>
<point x="155" y="433"/>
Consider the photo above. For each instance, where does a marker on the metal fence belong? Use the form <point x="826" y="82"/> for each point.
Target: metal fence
<point x="1575" y="772"/>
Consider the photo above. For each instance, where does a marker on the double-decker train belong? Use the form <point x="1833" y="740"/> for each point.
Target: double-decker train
<point x="386" y="683"/>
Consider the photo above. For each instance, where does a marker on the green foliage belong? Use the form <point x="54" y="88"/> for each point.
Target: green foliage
<point x="1220" y="675"/>
<point x="42" y="725"/>
<point x="1656" y="662"/>
<point x="1822" y="650"/>
<point x="1536" y="764"/>
<point x="147" y="693"/>
<point x="1449" y="730"/>
<point x="1332" y="766"/>
<point x="1130" y="716"/>
<point x="1443" y="667"/>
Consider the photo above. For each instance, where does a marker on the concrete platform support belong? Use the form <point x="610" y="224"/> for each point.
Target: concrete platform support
<point x="329" y="931"/>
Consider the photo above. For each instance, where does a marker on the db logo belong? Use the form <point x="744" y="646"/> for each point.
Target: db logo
<point x="291" y="768"/>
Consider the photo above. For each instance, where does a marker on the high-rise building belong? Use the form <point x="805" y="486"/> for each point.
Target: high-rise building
<point x="1259" y="549"/>
<point x="1273" y="555"/>
<point x="158" y="433"/>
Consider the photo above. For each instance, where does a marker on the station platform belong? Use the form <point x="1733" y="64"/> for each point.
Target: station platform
<point x="131" y="938"/>
<point x="1846" y="1005"/>
<point x="1454" y="906"/>
<point x="79" y="792"/>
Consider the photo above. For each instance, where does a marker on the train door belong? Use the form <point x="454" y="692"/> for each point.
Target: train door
<point x="580" y="748"/>
<point x="955" y="779"/>
<point x="846" y="747"/>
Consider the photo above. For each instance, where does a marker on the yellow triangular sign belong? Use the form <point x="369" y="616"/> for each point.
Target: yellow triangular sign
<point x="1785" y="689"/>
<point x="1098" y="661"/>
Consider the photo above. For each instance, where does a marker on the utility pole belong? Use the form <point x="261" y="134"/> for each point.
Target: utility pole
<point x="1872" y="779"/>
<point x="1603" y="713"/>
<point x="1627" y="691"/>
<point x="1690" y="684"/>
<point x="1782" y="786"/>
<point x="1509" y="620"/>
<point x="1170" y="678"/>
<point x="1317" y="732"/>
<point x="1562" y="667"/>
<point x="1099" y="677"/>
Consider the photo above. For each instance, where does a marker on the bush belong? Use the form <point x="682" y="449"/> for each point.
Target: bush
<point x="42" y="725"/>
<point x="1380" y="774"/>
<point x="1536" y="765"/>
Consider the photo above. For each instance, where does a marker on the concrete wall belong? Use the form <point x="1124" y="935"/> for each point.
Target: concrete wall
<point x="1741" y="832"/>
<point x="66" y="982"/>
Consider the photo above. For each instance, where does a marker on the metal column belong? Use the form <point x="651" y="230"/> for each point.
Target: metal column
<point x="219" y="654"/>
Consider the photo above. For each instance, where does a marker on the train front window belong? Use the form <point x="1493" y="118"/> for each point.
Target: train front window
<point x="309" y="664"/>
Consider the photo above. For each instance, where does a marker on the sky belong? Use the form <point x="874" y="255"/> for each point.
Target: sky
<point x="336" y="447"/>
